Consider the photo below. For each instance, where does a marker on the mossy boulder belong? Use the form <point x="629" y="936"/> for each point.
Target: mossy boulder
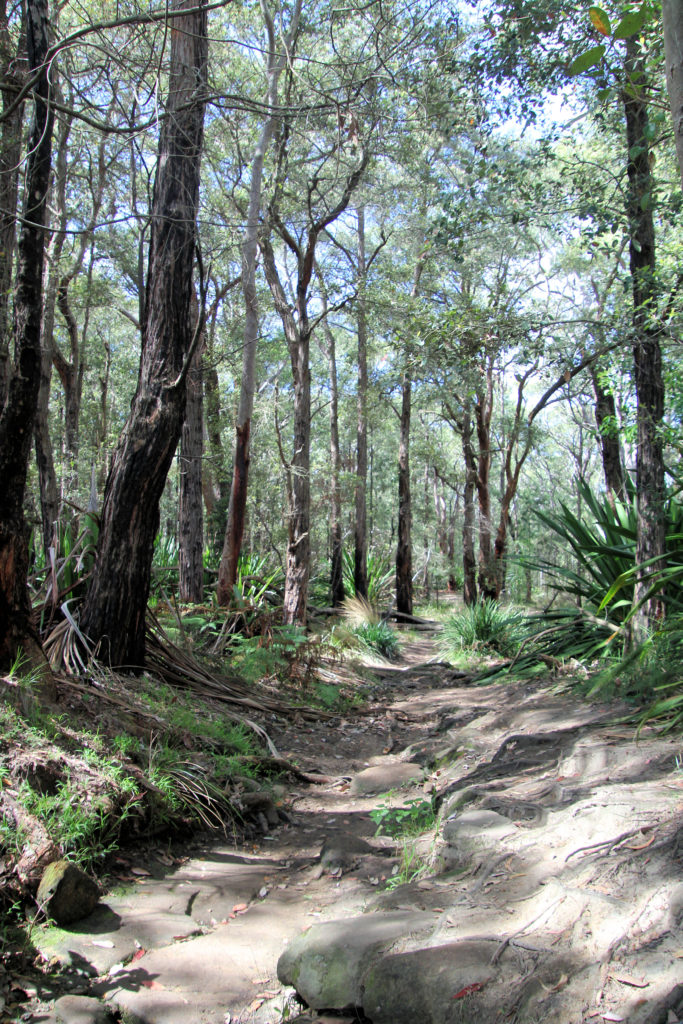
<point x="67" y="893"/>
<point x="326" y="963"/>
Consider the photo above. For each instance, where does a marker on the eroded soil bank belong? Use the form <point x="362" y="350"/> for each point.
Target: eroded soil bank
<point x="549" y="889"/>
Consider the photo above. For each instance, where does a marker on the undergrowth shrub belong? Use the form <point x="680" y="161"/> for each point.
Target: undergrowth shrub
<point x="485" y="627"/>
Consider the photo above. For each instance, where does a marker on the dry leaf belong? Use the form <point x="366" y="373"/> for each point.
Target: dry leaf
<point x="253" y="1007"/>
<point x="142" y="872"/>
<point x="611" y="1016"/>
<point x="239" y="908"/>
<point x="469" y="989"/>
<point x="103" y="943"/>
<point x="626" y="979"/>
<point x="152" y="984"/>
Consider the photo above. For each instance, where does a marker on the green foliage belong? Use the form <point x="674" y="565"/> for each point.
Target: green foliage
<point x="410" y="818"/>
<point x="257" y="582"/>
<point x="484" y="627"/>
<point x="378" y="637"/>
<point x="256" y="657"/>
<point x="85" y="830"/>
<point x="380" y="572"/>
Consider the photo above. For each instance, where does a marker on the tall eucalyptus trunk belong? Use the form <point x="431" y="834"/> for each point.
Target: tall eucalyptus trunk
<point x="114" y="613"/>
<point x="404" y="552"/>
<point x="647" y="356"/>
<point x="360" y="558"/>
<point x="277" y="58"/>
<point x="672" y="27"/>
<point x="18" y="413"/>
<point x="336" y="561"/>
<point x="10" y="164"/>
<point x="469" y="563"/>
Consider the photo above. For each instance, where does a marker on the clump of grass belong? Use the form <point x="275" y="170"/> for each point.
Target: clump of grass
<point x="485" y="627"/>
<point x="379" y="637"/>
<point x="368" y="629"/>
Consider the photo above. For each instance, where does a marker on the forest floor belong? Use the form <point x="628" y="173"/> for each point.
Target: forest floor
<point x="547" y="887"/>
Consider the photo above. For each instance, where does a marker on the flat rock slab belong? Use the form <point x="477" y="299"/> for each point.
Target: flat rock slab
<point x="202" y="980"/>
<point x="327" y="963"/>
<point x="80" y="1010"/>
<point x="427" y="984"/>
<point x="382" y="778"/>
<point x="107" y="938"/>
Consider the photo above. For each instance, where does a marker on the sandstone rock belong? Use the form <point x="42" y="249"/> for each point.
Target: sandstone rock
<point x="473" y="832"/>
<point x="67" y="893"/>
<point x="420" y="985"/>
<point x="382" y="778"/>
<point x="81" y="1010"/>
<point x="326" y="964"/>
<point x="342" y="852"/>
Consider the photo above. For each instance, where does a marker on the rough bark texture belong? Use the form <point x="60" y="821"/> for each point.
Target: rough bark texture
<point x="17" y="418"/>
<point x="360" y="557"/>
<point x="114" y="614"/>
<point x="610" y="444"/>
<point x="190" y="509"/>
<point x="404" y="554"/>
<point x="10" y="163"/>
<point x="647" y="356"/>
<point x="672" y="22"/>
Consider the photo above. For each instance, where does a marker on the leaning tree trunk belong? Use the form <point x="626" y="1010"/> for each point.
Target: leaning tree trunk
<point x="404" y="552"/>
<point x="18" y="413"/>
<point x="647" y="356"/>
<point x="114" y="613"/>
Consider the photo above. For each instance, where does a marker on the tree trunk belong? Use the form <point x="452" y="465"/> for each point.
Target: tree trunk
<point x="672" y="25"/>
<point x="647" y="357"/>
<point x="227" y="572"/>
<point x="10" y="164"/>
<point x="483" y="410"/>
<point x="404" y="554"/>
<point x="610" y="444"/>
<point x="299" y="524"/>
<point x="469" y="564"/>
<point x="114" y="613"/>
<point x="18" y="413"/>
<point x="190" y="513"/>
<point x="336" y="563"/>
<point x="360" y="558"/>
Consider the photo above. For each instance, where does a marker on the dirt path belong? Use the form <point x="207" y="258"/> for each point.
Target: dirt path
<point x="551" y="888"/>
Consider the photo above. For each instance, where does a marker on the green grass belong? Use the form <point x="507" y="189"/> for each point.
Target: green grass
<point x="378" y="637"/>
<point x="485" y="627"/>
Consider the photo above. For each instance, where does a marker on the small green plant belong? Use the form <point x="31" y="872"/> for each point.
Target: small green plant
<point x="406" y="819"/>
<point x="485" y="627"/>
<point x="378" y="637"/>
<point x="411" y="866"/>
